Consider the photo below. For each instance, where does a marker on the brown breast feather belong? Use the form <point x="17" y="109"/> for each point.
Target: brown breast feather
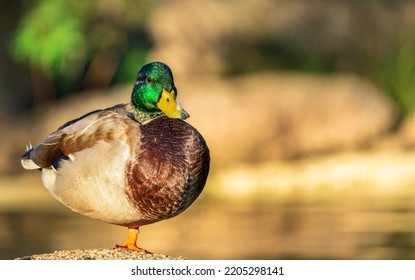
<point x="170" y="169"/>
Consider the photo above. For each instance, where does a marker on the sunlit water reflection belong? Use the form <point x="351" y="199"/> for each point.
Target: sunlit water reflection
<point x="231" y="229"/>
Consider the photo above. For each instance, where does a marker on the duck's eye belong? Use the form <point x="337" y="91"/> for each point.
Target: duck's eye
<point x="149" y="80"/>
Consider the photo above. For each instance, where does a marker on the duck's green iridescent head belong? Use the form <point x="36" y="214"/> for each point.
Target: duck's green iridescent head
<point x="154" y="92"/>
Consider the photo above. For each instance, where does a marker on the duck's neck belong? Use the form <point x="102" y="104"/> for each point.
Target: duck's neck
<point x="144" y="117"/>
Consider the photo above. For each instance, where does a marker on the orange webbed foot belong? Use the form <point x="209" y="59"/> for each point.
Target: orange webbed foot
<point x="130" y="243"/>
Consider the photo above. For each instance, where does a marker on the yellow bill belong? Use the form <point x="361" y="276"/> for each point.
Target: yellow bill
<point x="171" y="106"/>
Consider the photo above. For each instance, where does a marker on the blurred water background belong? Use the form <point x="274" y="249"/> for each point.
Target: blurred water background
<point x="307" y="107"/>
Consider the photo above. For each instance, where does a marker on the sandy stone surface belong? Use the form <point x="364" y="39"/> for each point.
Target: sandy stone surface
<point x="99" y="254"/>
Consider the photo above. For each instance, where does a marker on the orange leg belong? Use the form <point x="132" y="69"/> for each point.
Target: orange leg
<point x="131" y="242"/>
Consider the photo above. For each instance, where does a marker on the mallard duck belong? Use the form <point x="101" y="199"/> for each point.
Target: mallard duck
<point x="131" y="164"/>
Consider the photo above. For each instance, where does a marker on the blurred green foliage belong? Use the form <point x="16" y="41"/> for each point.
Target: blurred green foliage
<point x="396" y="72"/>
<point x="52" y="35"/>
<point x="62" y="37"/>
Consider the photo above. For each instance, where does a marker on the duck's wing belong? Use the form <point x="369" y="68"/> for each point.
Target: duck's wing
<point x="77" y="135"/>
